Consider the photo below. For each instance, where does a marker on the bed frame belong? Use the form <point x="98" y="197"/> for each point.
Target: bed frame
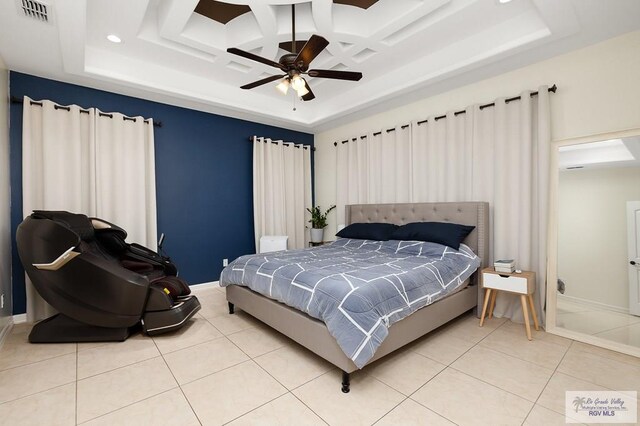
<point x="313" y="334"/>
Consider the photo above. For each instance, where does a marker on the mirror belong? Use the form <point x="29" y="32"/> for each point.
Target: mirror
<point x="597" y="240"/>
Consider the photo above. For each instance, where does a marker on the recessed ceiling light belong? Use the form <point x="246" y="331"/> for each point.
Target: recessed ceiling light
<point x="113" y="38"/>
<point x="504" y="1"/>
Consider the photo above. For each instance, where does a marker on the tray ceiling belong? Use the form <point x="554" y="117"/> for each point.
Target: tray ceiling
<point x="174" y="51"/>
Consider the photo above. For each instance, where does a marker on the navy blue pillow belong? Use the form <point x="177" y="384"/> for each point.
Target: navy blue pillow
<point x="368" y="231"/>
<point x="448" y="234"/>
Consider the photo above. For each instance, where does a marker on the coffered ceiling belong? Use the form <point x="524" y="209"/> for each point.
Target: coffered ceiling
<point x="174" y="51"/>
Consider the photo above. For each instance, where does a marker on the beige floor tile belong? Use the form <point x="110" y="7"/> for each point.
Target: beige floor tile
<point x="17" y="350"/>
<point x="606" y="353"/>
<point x="543" y="416"/>
<point x="410" y="413"/>
<point x="519" y="330"/>
<point x="537" y="351"/>
<point x="169" y="408"/>
<point x="506" y="372"/>
<point x="553" y="395"/>
<point x="55" y="406"/>
<point x="106" y="392"/>
<point x="465" y="400"/>
<point x="201" y="360"/>
<point x="230" y="393"/>
<point x="627" y="335"/>
<point x="293" y="365"/>
<point x="405" y="371"/>
<point x="442" y="347"/>
<point x="593" y="322"/>
<point x="199" y="290"/>
<point x="213" y="304"/>
<point x="197" y="330"/>
<point x="108" y="357"/>
<point x="258" y="341"/>
<point x="229" y="324"/>
<point x="37" y="377"/>
<point x="368" y="401"/>
<point x="284" y="411"/>
<point x="467" y="327"/>
<point x="600" y="370"/>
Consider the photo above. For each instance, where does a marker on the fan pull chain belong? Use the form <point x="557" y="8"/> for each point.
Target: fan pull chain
<point x="294" y="102"/>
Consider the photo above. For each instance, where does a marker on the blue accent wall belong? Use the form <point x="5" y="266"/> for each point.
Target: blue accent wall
<point x="203" y="176"/>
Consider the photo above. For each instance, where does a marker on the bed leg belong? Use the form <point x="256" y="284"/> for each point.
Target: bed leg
<point x="231" y="308"/>
<point x="345" y="382"/>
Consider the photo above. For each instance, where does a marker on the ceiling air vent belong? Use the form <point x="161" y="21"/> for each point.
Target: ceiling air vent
<point x="35" y="9"/>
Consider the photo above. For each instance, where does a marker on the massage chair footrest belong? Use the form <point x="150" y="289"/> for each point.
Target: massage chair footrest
<point x="158" y="322"/>
<point x="63" y="329"/>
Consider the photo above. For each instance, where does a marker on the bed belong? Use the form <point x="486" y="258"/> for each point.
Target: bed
<point x="314" y="334"/>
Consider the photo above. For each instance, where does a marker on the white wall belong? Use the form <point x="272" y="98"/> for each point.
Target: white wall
<point x="5" y="226"/>
<point x="592" y="232"/>
<point x="598" y="91"/>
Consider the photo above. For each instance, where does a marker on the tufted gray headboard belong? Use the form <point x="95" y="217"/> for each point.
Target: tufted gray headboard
<point x="466" y="213"/>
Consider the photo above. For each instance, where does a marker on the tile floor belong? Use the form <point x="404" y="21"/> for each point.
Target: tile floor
<point x="230" y="369"/>
<point x="609" y="325"/>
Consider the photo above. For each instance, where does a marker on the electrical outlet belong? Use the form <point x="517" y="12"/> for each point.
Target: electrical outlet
<point x="225" y="262"/>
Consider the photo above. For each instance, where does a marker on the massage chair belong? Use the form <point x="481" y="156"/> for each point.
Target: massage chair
<point x="102" y="287"/>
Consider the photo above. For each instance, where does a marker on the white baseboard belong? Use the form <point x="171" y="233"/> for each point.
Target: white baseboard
<point x="593" y="304"/>
<point x="20" y="318"/>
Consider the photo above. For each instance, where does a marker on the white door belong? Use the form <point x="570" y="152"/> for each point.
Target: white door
<point x="633" y="234"/>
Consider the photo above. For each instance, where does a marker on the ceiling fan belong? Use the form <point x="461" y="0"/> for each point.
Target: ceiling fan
<point x="295" y="65"/>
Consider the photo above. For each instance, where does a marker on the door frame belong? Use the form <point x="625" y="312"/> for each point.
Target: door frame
<point x="552" y="245"/>
<point x="631" y="246"/>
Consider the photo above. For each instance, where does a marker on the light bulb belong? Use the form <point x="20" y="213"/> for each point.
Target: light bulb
<point x="302" y="91"/>
<point x="297" y="82"/>
<point x="113" y="38"/>
<point x="283" y="86"/>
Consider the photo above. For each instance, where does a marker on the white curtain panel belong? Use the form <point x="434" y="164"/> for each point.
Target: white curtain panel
<point x="497" y="154"/>
<point x="62" y="170"/>
<point x="511" y="146"/>
<point x="353" y="173"/>
<point x="281" y="190"/>
<point x="57" y="146"/>
<point x="441" y="160"/>
<point x="125" y="176"/>
<point x="373" y="169"/>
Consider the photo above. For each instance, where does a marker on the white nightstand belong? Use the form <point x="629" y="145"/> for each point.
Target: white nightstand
<point x="523" y="284"/>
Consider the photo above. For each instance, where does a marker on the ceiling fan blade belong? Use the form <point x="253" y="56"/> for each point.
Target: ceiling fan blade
<point x="261" y="82"/>
<point x="311" y="49"/>
<point x="309" y="96"/>
<point x="256" y="58"/>
<point x="338" y="75"/>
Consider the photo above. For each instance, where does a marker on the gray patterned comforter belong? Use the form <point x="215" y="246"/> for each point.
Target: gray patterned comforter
<point x="358" y="288"/>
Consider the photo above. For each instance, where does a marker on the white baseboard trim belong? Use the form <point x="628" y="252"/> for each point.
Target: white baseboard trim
<point x="202" y="286"/>
<point x="593" y="304"/>
<point x="20" y="318"/>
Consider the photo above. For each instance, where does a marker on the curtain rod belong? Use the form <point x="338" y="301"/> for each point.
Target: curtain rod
<point x="313" y="148"/>
<point x="552" y="89"/>
<point x="15" y="100"/>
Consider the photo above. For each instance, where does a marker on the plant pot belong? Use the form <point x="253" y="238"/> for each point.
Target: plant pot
<point x="317" y="235"/>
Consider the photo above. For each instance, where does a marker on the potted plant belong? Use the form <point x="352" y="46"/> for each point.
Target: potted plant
<point x="318" y="223"/>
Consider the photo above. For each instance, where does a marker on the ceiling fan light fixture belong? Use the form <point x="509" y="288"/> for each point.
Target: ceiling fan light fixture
<point x="283" y="86"/>
<point x="302" y="91"/>
<point x="297" y="82"/>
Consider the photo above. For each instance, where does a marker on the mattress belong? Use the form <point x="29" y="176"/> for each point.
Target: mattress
<point x="358" y="288"/>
